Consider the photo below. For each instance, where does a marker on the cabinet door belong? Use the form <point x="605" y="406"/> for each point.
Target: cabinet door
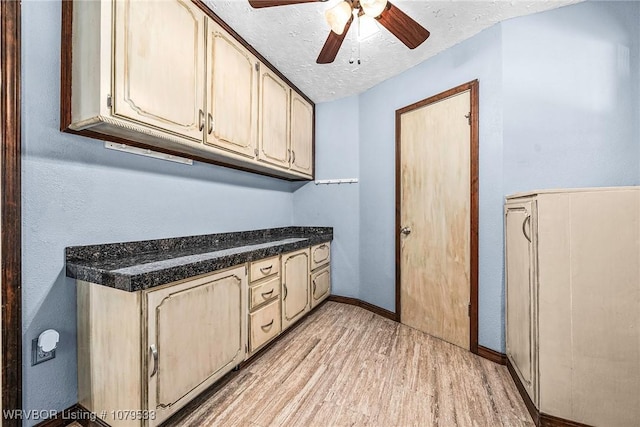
<point x="159" y="65"/>
<point x="274" y="120"/>
<point x="295" y="286"/>
<point x="196" y="334"/>
<point x="232" y="90"/>
<point x="301" y="135"/>
<point x="520" y="306"/>
<point x="320" y="286"/>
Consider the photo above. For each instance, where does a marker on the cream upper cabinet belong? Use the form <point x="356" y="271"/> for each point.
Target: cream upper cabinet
<point x="167" y="76"/>
<point x="295" y="286"/>
<point x="519" y="294"/>
<point x="274" y="120"/>
<point x="159" y="65"/>
<point x="196" y="334"/>
<point x="301" y="135"/>
<point x="232" y="93"/>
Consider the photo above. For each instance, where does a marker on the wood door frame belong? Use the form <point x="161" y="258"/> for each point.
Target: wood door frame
<point x="10" y="261"/>
<point x="473" y="87"/>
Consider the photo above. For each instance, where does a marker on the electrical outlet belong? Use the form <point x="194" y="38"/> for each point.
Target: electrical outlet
<point x="39" y="356"/>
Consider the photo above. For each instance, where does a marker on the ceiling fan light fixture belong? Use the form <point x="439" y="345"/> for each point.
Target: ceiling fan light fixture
<point x="373" y="8"/>
<point x="338" y="16"/>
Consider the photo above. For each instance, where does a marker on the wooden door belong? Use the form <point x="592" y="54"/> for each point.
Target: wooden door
<point x="301" y="135"/>
<point x="232" y="93"/>
<point x="436" y="206"/>
<point x="519" y="293"/>
<point x="273" y="134"/>
<point x="197" y="332"/>
<point x="295" y="286"/>
<point x="159" y="65"/>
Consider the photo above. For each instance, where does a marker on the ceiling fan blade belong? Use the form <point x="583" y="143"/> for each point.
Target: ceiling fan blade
<point x="332" y="45"/>
<point x="403" y="27"/>
<point x="257" y="4"/>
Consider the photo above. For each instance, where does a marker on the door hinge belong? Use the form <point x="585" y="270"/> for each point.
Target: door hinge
<point x="255" y="151"/>
<point x="468" y="116"/>
<point x="257" y="66"/>
<point x="469" y="309"/>
<point x="246" y="269"/>
<point x="109" y="101"/>
<point x="246" y="348"/>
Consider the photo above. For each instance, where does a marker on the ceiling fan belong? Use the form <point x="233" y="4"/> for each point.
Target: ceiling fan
<point x="341" y="16"/>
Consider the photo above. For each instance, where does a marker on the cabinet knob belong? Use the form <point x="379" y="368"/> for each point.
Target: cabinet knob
<point x="405" y="230"/>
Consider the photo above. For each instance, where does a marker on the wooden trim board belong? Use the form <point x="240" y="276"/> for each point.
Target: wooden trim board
<point x="473" y="87"/>
<point x="363" y="304"/>
<point x="539" y="419"/>
<point x="11" y="278"/>
<point x="492" y="355"/>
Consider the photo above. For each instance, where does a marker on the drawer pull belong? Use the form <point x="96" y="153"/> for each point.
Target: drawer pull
<point x="154" y="354"/>
<point x="266" y="295"/>
<point x="267" y="326"/>
<point x="266" y="270"/>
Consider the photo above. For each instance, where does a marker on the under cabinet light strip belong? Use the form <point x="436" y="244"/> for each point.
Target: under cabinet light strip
<point x="145" y="152"/>
<point x="337" y="181"/>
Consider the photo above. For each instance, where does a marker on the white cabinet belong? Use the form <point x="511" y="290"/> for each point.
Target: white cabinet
<point x="573" y="302"/>
<point x="301" y="135"/>
<point x="520" y="293"/>
<point x="167" y="77"/>
<point x="150" y="352"/>
<point x="153" y="351"/>
<point x="265" y="314"/>
<point x="286" y="126"/>
<point x="196" y="332"/>
<point x="320" y="273"/>
<point x="274" y="120"/>
<point x="295" y="286"/>
<point x="232" y="93"/>
<point x="159" y="87"/>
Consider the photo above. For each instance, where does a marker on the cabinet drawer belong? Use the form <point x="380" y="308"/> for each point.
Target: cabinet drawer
<point x="320" y="255"/>
<point x="264" y="268"/>
<point x="320" y="285"/>
<point x="259" y="294"/>
<point x="264" y="325"/>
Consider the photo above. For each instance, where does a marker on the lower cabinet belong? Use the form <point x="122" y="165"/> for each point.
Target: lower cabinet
<point x="321" y="273"/>
<point x="196" y="332"/>
<point x="295" y="286"/>
<point x="143" y="355"/>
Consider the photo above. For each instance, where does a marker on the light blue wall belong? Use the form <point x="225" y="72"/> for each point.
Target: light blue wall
<point x="76" y="192"/>
<point x="571" y="97"/>
<point x="476" y="58"/>
<point x="336" y="206"/>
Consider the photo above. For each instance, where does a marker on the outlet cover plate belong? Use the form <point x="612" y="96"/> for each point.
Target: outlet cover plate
<point x="39" y="356"/>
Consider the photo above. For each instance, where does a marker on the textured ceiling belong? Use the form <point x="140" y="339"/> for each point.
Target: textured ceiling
<point x="290" y="37"/>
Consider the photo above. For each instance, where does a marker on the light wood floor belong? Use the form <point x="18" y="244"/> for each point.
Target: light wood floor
<point x="347" y="366"/>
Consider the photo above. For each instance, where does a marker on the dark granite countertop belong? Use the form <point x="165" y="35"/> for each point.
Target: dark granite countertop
<point x="134" y="266"/>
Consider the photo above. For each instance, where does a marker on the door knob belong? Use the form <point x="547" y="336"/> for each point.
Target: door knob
<point x="405" y="230"/>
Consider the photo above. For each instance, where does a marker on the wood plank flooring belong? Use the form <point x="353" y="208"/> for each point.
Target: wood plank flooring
<point x="345" y="366"/>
